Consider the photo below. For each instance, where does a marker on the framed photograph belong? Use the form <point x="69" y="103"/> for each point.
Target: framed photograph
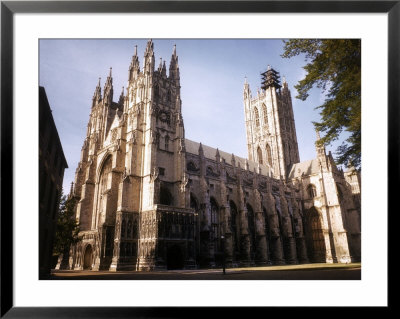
<point x="190" y="129"/>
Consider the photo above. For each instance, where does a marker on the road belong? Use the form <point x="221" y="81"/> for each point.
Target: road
<point x="288" y="272"/>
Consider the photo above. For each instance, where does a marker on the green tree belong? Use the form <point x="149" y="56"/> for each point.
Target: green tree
<point x="67" y="228"/>
<point x="335" y="67"/>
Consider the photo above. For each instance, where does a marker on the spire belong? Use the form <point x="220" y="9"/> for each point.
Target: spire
<point x="321" y="153"/>
<point x="134" y="67"/>
<point x="160" y="66"/>
<point x="201" y="152"/>
<point x="246" y="89"/>
<point x="71" y="191"/>
<point x="173" y="66"/>
<point x="164" y="70"/>
<point x="97" y="94"/>
<point x="217" y="156"/>
<point x="149" y="57"/>
<point x="233" y="160"/>
<point x="284" y="83"/>
<point x="108" y="89"/>
<point x="149" y="48"/>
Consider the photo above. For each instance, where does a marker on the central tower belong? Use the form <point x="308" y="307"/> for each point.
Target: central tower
<point x="270" y="127"/>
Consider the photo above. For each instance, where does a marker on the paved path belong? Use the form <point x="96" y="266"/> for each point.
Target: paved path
<point x="287" y="272"/>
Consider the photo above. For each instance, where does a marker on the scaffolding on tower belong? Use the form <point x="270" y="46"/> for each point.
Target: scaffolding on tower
<point x="270" y="78"/>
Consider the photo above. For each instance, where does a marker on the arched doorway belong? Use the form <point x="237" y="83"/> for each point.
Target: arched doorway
<point x="88" y="258"/>
<point x="314" y="236"/>
<point x="174" y="257"/>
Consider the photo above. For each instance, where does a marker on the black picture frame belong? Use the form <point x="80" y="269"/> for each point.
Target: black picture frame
<point x="9" y="8"/>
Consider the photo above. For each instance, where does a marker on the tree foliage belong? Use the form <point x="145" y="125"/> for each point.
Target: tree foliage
<point x="335" y="67"/>
<point x="67" y="228"/>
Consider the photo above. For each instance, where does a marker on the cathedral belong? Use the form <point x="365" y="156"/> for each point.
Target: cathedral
<point x="148" y="198"/>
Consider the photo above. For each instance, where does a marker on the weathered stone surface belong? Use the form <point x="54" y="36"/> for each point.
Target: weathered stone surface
<point x="151" y="199"/>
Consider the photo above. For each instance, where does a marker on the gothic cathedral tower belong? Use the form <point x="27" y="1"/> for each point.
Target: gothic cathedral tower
<point x="131" y="174"/>
<point x="270" y="127"/>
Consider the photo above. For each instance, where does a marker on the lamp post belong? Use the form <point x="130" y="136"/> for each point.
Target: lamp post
<point x="223" y="253"/>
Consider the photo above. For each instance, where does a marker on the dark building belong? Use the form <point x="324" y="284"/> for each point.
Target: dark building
<point x="52" y="164"/>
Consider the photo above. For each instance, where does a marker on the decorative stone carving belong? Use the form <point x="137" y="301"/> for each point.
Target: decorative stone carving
<point x="154" y="174"/>
<point x="184" y="183"/>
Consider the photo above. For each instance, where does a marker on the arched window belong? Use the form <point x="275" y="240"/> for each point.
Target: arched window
<point x="214" y="220"/>
<point x="257" y="117"/>
<point x="259" y="154"/>
<point x="312" y="191"/>
<point x="252" y="233"/>
<point x="265" y="115"/>
<point x="269" y="155"/>
<point x="103" y="181"/>
<point x="169" y="96"/>
<point x="190" y="166"/>
<point x="166" y="142"/>
<point x="267" y="232"/>
<point x="233" y="224"/>
<point x="104" y="174"/>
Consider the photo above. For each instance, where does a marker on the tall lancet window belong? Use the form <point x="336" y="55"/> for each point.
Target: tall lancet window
<point x="269" y="155"/>
<point x="214" y="221"/>
<point x="166" y="145"/>
<point x="104" y="176"/>
<point x="265" y="115"/>
<point x="257" y="117"/>
<point x="259" y="154"/>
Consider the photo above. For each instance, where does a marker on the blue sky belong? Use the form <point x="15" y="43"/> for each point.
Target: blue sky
<point x="212" y="77"/>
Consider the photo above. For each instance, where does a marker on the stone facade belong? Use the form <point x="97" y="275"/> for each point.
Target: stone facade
<point x="151" y="199"/>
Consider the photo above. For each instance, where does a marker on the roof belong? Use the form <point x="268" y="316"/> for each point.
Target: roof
<point x="210" y="153"/>
<point x="307" y="168"/>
